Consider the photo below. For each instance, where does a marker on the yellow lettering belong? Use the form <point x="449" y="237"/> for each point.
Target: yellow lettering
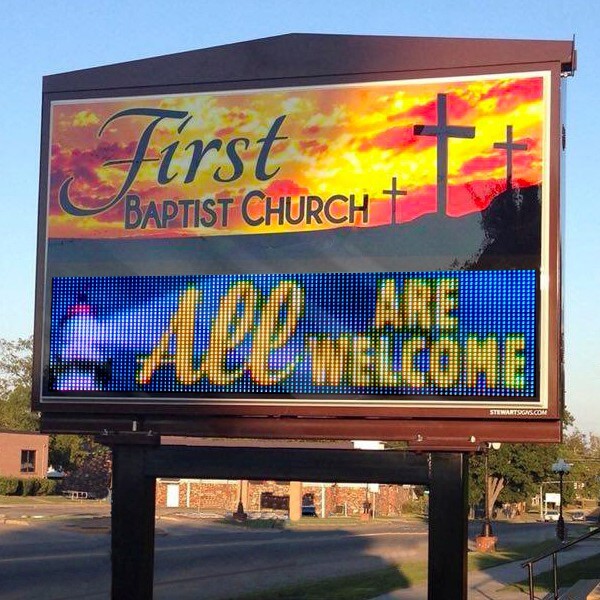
<point x="228" y="330"/>
<point x="482" y="357"/>
<point x="444" y="360"/>
<point x="447" y="301"/>
<point x="385" y="371"/>
<point x="274" y="332"/>
<point x="418" y="304"/>
<point x="328" y="358"/>
<point x="410" y="374"/>
<point x="387" y="311"/>
<point x="514" y="362"/>
<point x="182" y="326"/>
<point x="362" y="361"/>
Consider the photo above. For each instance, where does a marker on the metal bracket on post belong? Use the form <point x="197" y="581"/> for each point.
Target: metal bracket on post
<point x="128" y="438"/>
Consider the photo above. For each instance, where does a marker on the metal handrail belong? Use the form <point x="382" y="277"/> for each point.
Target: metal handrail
<point x="563" y="546"/>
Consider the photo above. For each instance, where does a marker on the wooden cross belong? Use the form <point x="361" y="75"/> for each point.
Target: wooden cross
<point x="443" y="131"/>
<point x="394" y="192"/>
<point x="509" y="146"/>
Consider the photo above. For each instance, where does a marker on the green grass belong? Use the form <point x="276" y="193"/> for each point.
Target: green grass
<point x="341" y="522"/>
<point x="361" y="586"/>
<point x="307" y="523"/>
<point x="478" y="561"/>
<point x="568" y="575"/>
<point x="18" y="500"/>
<point x="374" y="583"/>
<point x="255" y="523"/>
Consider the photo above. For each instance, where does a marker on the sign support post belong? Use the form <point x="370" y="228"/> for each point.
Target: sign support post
<point x="448" y="510"/>
<point x="138" y="459"/>
<point x="132" y="517"/>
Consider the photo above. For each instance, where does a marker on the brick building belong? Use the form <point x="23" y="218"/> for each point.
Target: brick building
<point x="23" y="454"/>
<point x="327" y="498"/>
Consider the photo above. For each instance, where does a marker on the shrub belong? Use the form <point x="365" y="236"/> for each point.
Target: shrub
<point x="9" y="486"/>
<point x="29" y="487"/>
<point x="48" y="487"/>
<point x="415" y="507"/>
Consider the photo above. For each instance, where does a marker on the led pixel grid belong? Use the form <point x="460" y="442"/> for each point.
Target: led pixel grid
<point x="452" y="333"/>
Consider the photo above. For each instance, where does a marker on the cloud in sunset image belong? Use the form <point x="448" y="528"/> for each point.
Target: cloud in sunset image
<point x="292" y="159"/>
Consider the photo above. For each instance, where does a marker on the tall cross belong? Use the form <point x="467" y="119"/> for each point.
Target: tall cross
<point x="443" y="131"/>
<point x="394" y="192"/>
<point x="509" y="146"/>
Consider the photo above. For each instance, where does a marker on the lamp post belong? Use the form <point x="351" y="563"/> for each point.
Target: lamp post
<point x="486" y="530"/>
<point x="366" y="514"/>
<point x="561" y="468"/>
<point x="240" y="514"/>
<point x="486" y="541"/>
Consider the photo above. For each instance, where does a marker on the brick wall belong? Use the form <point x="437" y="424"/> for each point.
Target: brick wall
<point x="220" y="496"/>
<point x="224" y="496"/>
<point x="201" y="494"/>
<point x="256" y="488"/>
<point x="161" y="493"/>
<point x="11" y="445"/>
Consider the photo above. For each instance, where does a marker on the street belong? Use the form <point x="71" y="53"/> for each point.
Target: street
<point x="62" y="559"/>
<point x="194" y="561"/>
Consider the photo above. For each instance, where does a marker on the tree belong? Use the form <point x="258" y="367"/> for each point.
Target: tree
<point x="515" y="472"/>
<point x="582" y="452"/>
<point x="524" y="467"/>
<point x="69" y="451"/>
<point x="15" y="385"/>
<point x="91" y="472"/>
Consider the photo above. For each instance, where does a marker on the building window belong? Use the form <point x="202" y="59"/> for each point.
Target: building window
<point x="27" y="461"/>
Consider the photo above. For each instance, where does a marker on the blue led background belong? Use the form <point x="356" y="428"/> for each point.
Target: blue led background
<point x="101" y="328"/>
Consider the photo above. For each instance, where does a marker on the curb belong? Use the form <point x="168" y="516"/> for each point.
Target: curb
<point x="20" y="522"/>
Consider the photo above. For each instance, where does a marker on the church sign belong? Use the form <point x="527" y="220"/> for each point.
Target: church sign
<point x="373" y="248"/>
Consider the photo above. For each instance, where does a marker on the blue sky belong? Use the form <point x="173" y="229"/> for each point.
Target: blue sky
<point x="38" y="38"/>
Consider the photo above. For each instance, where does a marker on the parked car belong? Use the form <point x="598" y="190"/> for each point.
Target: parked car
<point x="578" y="515"/>
<point x="551" y="515"/>
<point x="309" y="510"/>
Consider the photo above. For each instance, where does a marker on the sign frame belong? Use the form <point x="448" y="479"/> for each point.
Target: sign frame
<point x="439" y="426"/>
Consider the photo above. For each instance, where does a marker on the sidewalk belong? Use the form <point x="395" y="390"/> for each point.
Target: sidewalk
<point x="488" y="584"/>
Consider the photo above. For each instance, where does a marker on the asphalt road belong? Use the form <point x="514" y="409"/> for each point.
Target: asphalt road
<point x="52" y="560"/>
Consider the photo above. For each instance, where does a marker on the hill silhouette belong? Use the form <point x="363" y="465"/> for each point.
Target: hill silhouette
<point x="504" y="235"/>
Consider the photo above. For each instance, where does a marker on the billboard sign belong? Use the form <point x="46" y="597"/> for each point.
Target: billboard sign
<point x="373" y="248"/>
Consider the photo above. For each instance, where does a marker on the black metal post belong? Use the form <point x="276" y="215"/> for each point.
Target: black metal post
<point x="136" y="465"/>
<point x="133" y="512"/>
<point x="240" y="514"/>
<point x="560" y="525"/>
<point x="486" y="530"/>
<point x="448" y="511"/>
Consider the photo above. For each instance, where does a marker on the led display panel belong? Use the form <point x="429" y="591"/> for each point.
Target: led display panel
<point x="326" y="335"/>
<point x="372" y="248"/>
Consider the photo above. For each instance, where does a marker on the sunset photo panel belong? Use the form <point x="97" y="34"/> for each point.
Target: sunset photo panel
<point x="293" y="159"/>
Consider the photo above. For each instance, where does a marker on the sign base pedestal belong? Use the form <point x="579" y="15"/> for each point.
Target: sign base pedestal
<point x="240" y="514"/>
<point x="486" y="543"/>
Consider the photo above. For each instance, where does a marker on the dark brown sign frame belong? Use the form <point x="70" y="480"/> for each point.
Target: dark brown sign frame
<point x="317" y="60"/>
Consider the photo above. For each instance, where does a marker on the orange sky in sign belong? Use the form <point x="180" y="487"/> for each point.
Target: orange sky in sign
<point x="340" y="140"/>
